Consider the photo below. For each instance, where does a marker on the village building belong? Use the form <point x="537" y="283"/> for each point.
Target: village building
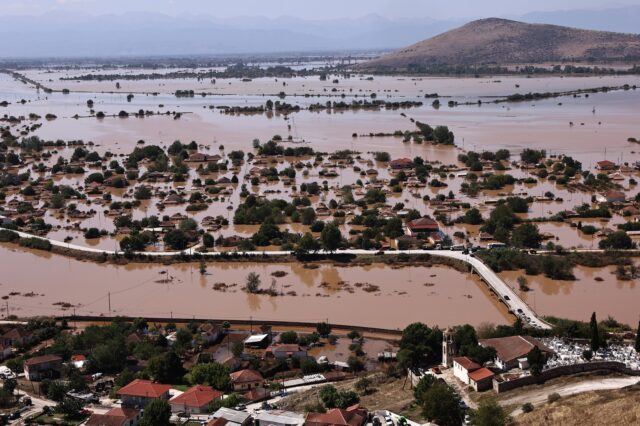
<point x="278" y="418"/>
<point x="606" y="165"/>
<point x="116" y="417"/>
<point x="462" y="366"/>
<point x="481" y="379"/>
<point x="16" y="337"/>
<point x="401" y="163"/>
<point x="229" y="417"/>
<point x="257" y="341"/>
<point x="509" y="350"/>
<point x="285" y="351"/>
<point x="422" y="227"/>
<point x="140" y="392"/>
<point x="195" y="400"/>
<point x="351" y="416"/>
<point x="246" y="379"/>
<point x="42" y="367"/>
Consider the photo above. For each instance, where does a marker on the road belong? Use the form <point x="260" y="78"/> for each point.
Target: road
<point x="499" y="287"/>
<point x="540" y="396"/>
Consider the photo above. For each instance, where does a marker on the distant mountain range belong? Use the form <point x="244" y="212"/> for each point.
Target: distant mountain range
<point x="73" y="35"/>
<point x="496" y="41"/>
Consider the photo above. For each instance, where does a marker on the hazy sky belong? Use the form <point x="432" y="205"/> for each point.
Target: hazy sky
<point x="311" y="9"/>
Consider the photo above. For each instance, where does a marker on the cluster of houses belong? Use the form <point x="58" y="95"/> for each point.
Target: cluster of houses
<point x="511" y="354"/>
<point x="196" y="401"/>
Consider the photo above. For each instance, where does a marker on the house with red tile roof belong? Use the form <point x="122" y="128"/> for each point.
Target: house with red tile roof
<point x="423" y="226"/>
<point x="195" y="400"/>
<point x="140" y="392"/>
<point x="481" y="379"/>
<point x="285" y="351"/>
<point x="352" y="416"/>
<point x="462" y="366"/>
<point x="116" y="417"/>
<point x="606" y="165"/>
<point x="246" y="379"/>
<point x="401" y="163"/>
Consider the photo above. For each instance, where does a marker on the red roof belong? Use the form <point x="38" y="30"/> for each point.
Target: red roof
<point x="352" y="416"/>
<point x="42" y="360"/>
<point x="466" y="363"/>
<point x="113" y="417"/>
<point x="244" y="376"/>
<point x="481" y="374"/>
<point x="221" y="421"/>
<point x="424" y="223"/>
<point x="197" y="396"/>
<point x="145" y="389"/>
<point x="78" y="358"/>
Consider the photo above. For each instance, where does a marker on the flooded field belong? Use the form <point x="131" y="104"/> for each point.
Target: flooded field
<point x="594" y="290"/>
<point x="35" y="283"/>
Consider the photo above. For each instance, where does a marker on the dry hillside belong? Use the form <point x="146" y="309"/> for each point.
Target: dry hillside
<point x="501" y="41"/>
<point x="619" y="407"/>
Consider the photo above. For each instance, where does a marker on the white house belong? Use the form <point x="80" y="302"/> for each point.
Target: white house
<point x="462" y="366"/>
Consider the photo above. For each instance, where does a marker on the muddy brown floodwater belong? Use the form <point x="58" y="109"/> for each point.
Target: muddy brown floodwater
<point x="379" y="296"/>
<point x="594" y="290"/>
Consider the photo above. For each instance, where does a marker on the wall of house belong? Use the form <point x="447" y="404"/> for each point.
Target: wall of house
<point x="461" y="373"/>
<point x="566" y="370"/>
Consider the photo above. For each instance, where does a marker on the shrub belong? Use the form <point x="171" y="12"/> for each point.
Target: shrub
<point x="527" y="407"/>
<point x="553" y="397"/>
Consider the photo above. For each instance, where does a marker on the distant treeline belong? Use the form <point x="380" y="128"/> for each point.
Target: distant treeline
<point x="473" y="70"/>
<point x="234" y="71"/>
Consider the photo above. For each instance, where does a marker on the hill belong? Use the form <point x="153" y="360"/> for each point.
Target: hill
<point x="496" y="41"/>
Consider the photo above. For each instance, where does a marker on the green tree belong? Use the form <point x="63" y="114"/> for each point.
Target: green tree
<point x="490" y="413"/>
<point x="419" y="344"/>
<point x="323" y="329"/>
<point x="363" y="385"/>
<point x="176" y="239"/>
<point x="536" y="361"/>
<point x="212" y="374"/>
<point x="441" y="405"/>
<point x="253" y="282"/>
<point x="330" y="237"/>
<point x="618" y="240"/>
<point x="166" y="368"/>
<point x="157" y="413"/>
<point x="70" y="408"/>
<point x="526" y="235"/>
<point x="307" y="244"/>
<point x="289" y="337"/>
<point x="473" y="217"/>
<point x="595" y="333"/>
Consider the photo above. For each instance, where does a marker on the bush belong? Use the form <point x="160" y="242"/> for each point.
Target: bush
<point x="7" y="236"/>
<point x="553" y="397"/>
<point x="35" y="243"/>
<point x="527" y="407"/>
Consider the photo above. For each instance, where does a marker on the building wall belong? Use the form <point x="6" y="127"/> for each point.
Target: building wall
<point x="461" y="373"/>
<point x="247" y="385"/>
<point x="552" y="373"/>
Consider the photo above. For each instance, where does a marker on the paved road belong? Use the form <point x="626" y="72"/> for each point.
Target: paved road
<point x="499" y="287"/>
<point x="540" y="395"/>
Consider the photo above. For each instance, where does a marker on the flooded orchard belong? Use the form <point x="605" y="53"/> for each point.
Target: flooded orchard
<point x="376" y="295"/>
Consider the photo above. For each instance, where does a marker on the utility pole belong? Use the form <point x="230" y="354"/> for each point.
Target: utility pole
<point x="7" y="309"/>
<point x="109" y="298"/>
